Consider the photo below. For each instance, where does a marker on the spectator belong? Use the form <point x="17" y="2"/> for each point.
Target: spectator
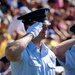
<point x="4" y="37"/>
<point x="16" y="27"/>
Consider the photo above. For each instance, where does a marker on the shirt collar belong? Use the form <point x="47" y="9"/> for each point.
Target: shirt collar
<point x="32" y="46"/>
<point x="44" y="48"/>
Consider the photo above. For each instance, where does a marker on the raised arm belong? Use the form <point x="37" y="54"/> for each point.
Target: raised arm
<point x="14" y="49"/>
<point x="62" y="48"/>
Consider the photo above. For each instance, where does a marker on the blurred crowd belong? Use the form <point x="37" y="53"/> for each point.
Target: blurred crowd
<point x="61" y="16"/>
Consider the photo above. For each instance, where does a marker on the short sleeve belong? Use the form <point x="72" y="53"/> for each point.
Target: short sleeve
<point x="69" y="59"/>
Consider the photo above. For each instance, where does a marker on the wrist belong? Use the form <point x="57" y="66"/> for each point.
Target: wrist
<point x="31" y="35"/>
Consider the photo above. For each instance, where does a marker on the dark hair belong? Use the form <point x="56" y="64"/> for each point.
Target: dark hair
<point x="27" y="24"/>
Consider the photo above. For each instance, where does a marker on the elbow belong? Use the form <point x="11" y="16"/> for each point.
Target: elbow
<point x="56" y="51"/>
<point x="10" y="55"/>
<point x="59" y="53"/>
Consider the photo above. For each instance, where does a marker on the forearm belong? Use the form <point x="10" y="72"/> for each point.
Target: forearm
<point x="62" y="48"/>
<point x="14" y="49"/>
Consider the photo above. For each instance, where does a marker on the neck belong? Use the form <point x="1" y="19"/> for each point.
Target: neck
<point x="37" y="42"/>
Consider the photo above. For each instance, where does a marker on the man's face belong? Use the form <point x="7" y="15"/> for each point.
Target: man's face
<point x="43" y="33"/>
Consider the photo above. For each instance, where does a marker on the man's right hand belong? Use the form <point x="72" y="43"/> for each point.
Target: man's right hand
<point x="35" y="29"/>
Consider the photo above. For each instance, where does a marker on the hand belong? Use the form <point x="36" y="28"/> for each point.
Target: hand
<point x="35" y="29"/>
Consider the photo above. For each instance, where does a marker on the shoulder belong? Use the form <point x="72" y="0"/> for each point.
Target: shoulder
<point x="71" y="51"/>
<point x="50" y="52"/>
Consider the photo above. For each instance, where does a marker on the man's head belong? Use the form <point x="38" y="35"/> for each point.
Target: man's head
<point x="40" y="15"/>
<point x="3" y="23"/>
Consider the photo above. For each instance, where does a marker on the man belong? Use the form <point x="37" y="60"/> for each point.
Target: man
<point x="28" y="55"/>
<point x="65" y="53"/>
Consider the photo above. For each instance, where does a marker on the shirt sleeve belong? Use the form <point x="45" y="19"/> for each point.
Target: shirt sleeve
<point x="69" y="59"/>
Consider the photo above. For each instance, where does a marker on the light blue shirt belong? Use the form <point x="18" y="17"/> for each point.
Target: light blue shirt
<point x="69" y="64"/>
<point x="33" y="62"/>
